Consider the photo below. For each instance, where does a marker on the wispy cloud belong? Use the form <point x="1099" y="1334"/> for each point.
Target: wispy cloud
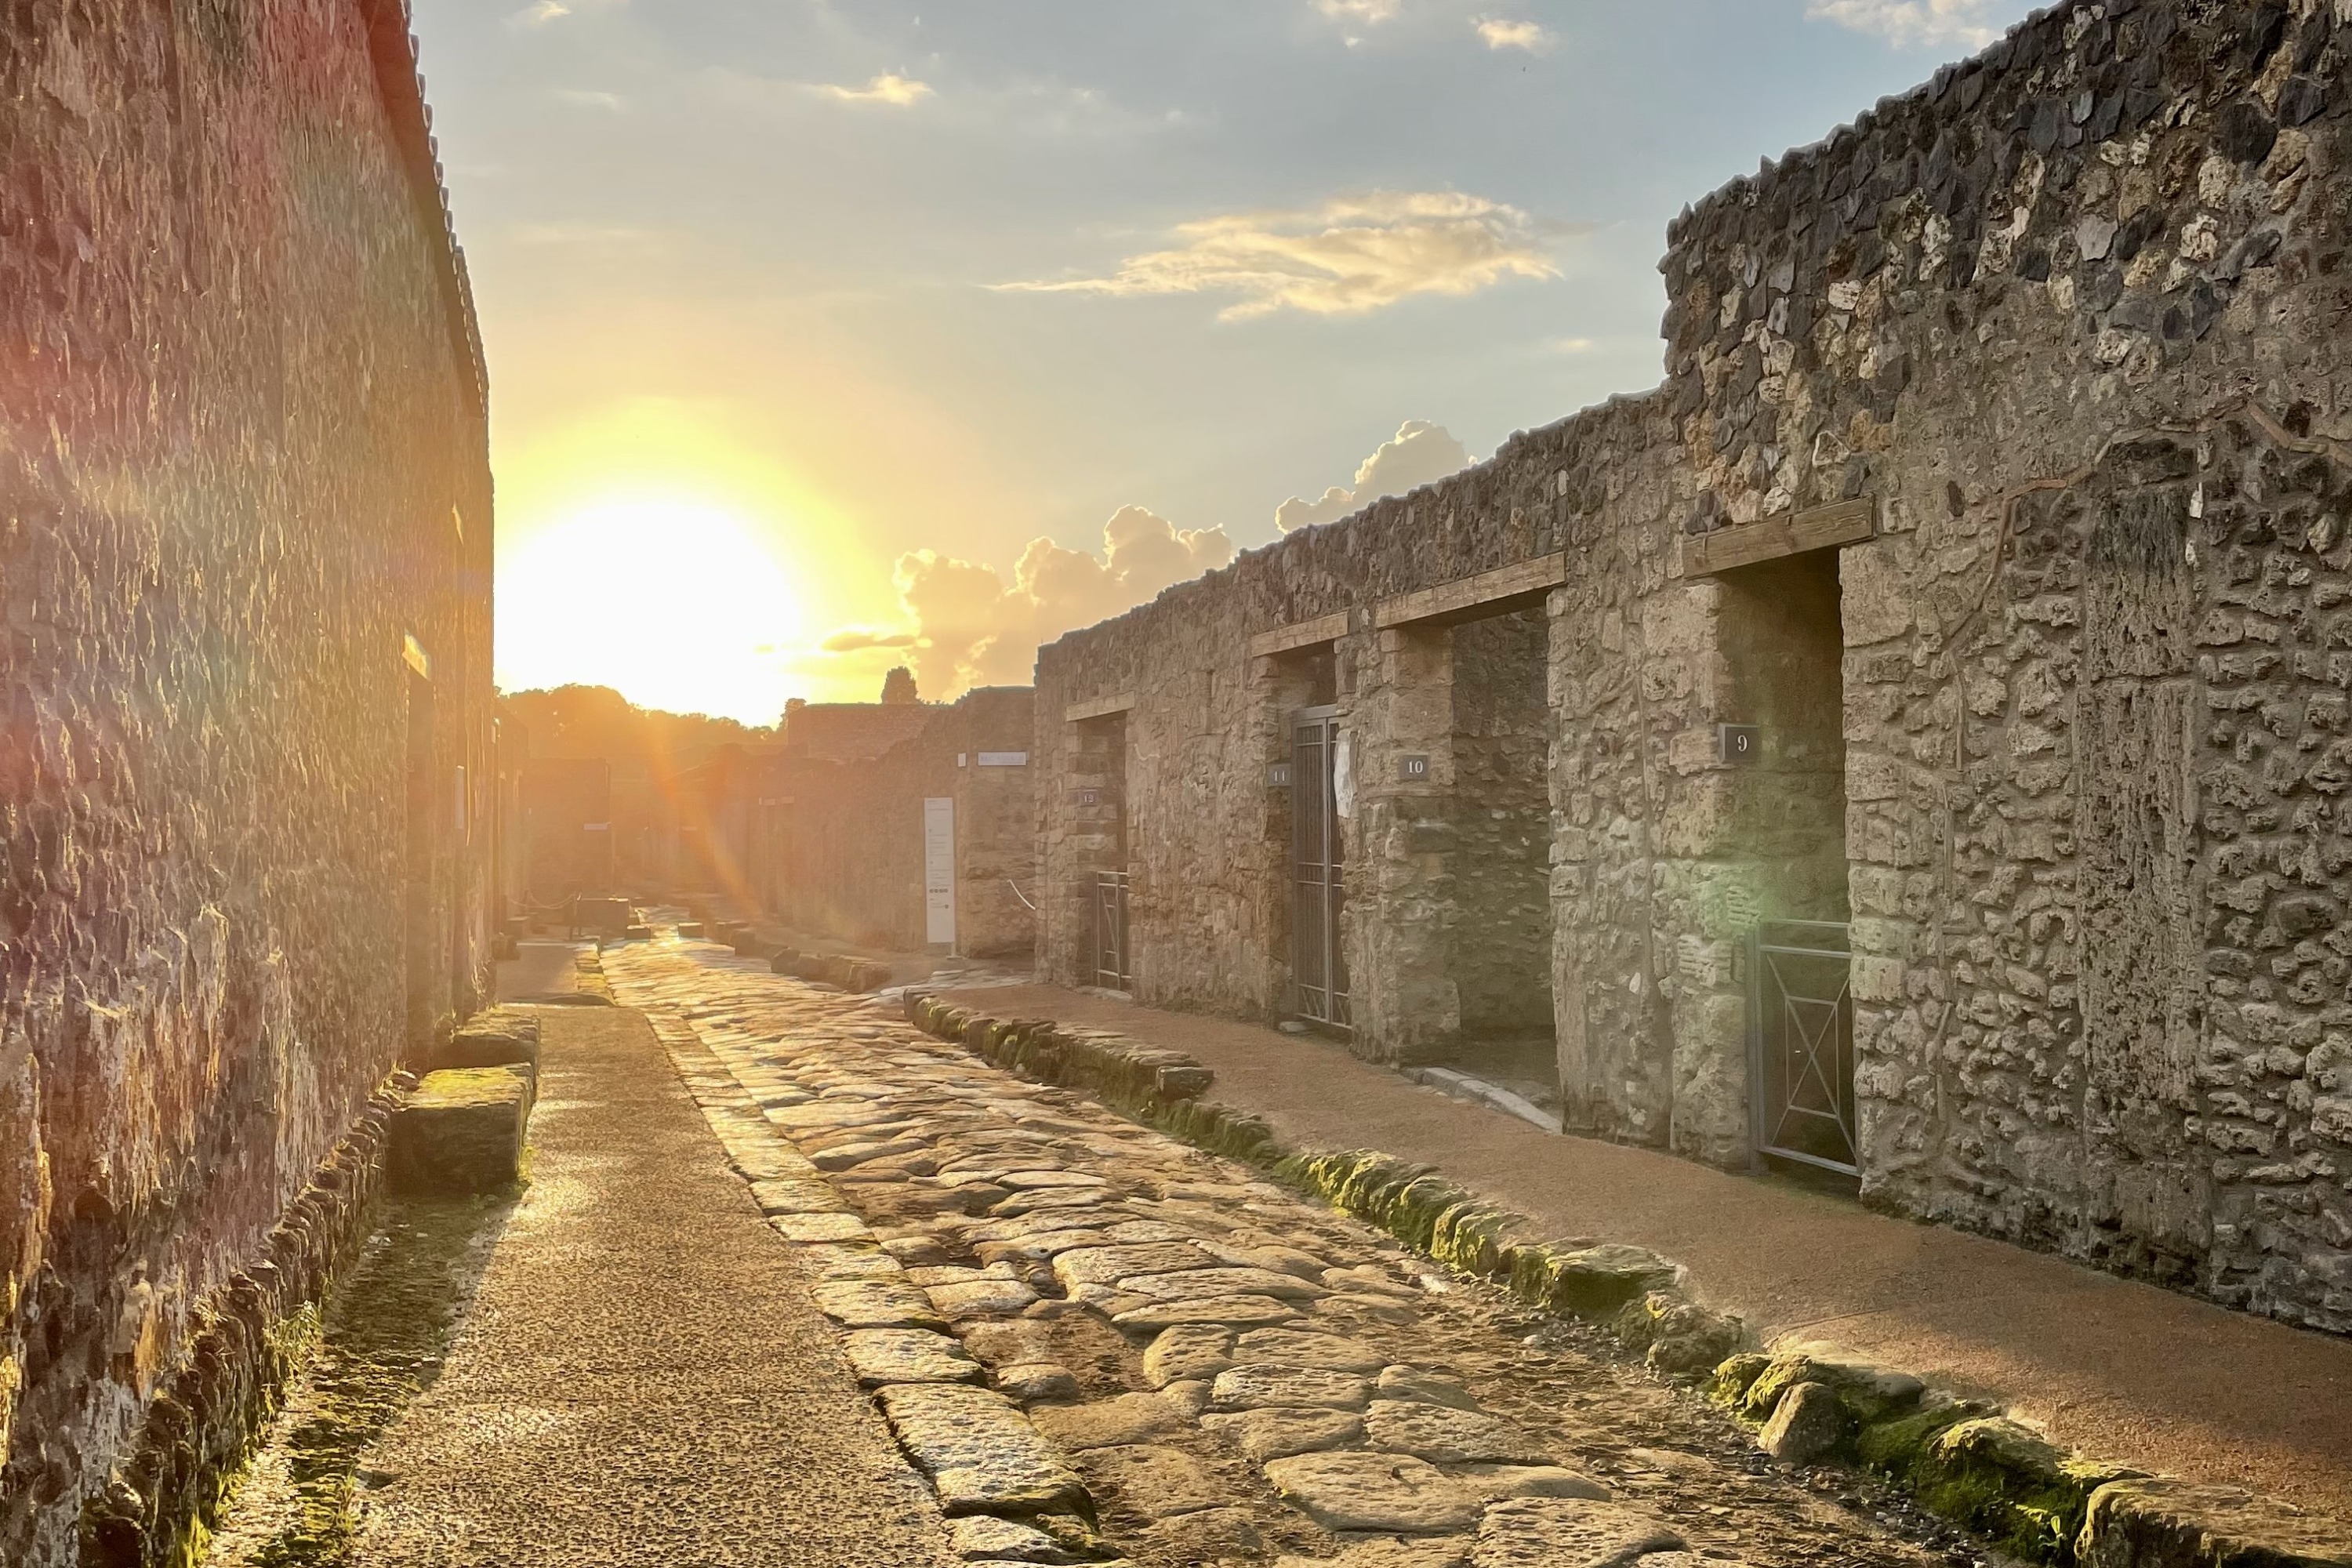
<point x="1347" y="257"/>
<point x="539" y="14"/>
<point x="1370" y="12"/>
<point x="587" y="98"/>
<point x="1500" y="34"/>
<point x="857" y="639"/>
<point x="1916" y="24"/>
<point x="897" y="91"/>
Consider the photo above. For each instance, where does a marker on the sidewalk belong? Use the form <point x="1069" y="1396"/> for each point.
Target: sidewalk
<point x="2121" y="1369"/>
<point x="642" y="1377"/>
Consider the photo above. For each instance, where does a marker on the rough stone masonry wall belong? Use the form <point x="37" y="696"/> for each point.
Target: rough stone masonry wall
<point x="1501" y="957"/>
<point x="855" y="862"/>
<point x="2069" y="317"/>
<point x="2074" y="314"/>
<point x="242" y="456"/>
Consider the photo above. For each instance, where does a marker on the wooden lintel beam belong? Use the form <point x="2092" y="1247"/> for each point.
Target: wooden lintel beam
<point x="1468" y="598"/>
<point x="1789" y="533"/>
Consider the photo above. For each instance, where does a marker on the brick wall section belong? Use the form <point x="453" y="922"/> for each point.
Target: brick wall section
<point x="244" y="459"/>
<point x="2070" y="319"/>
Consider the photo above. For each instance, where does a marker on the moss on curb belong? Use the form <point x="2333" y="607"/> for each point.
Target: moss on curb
<point x="1962" y="1459"/>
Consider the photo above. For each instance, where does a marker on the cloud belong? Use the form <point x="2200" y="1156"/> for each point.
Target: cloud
<point x="1499" y="34"/>
<point x="586" y="98"/>
<point x="540" y="15"/>
<point x="1915" y="23"/>
<point x="1347" y="257"/>
<point x="898" y="92"/>
<point x="973" y="629"/>
<point x="857" y="639"/>
<point x="1371" y="13"/>
<point x="1420" y="453"/>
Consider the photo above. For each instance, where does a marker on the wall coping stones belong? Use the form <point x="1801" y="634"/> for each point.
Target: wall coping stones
<point x="1962" y="1459"/>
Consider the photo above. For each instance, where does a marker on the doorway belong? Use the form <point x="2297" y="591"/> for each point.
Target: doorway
<point x="1318" y="964"/>
<point x="422" y="802"/>
<point x="1784" y="644"/>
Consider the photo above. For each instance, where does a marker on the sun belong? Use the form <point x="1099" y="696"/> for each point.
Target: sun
<point x="674" y="603"/>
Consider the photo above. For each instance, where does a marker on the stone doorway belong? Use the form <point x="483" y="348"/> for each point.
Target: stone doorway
<point x="1319" y="964"/>
<point x="421" y="816"/>
<point x="1783" y="644"/>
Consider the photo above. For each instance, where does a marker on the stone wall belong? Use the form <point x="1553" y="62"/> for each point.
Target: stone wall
<point x="2065" y="322"/>
<point x="243" y="498"/>
<point x="847" y="861"/>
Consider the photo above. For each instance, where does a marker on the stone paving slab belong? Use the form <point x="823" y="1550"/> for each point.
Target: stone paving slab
<point x="1094" y="1270"/>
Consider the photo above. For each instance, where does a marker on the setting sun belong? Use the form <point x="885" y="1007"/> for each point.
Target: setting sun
<point x="674" y="604"/>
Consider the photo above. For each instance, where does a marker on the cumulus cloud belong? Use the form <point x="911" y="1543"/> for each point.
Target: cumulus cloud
<point x="973" y="629"/>
<point x="1418" y="454"/>
<point x="1917" y="24"/>
<point x="1347" y="257"/>
<point x="1500" y="34"/>
<point x="891" y="88"/>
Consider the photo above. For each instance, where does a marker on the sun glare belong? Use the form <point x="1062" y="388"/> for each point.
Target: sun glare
<point x="674" y="604"/>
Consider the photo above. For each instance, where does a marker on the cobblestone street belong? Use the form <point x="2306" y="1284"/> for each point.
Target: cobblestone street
<point x="1101" y="1344"/>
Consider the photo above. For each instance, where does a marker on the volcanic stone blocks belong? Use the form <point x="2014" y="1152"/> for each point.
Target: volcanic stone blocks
<point x="461" y="1131"/>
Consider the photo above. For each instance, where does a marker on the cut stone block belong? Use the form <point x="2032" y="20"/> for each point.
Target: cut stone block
<point x="492" y="1042"/>
<point x="1264" y="1434"/>
<point x="461" y="1131"/>
<point x="1445" y="1435"/>
<point x="1412" y="1383"/>
<point x="824" y="1227"/>
<point x="1300" y="1347"/>
<point x="1109" y="1423"/>
<point x="790" y="1196"/>
<point x="1567" y="1533"/>
<point x="1373" y="1491"/>
<point x="1391" y="1551"/>
<point x="1188" y="1354"/>
<point x="1156" y="1483"/>
<point x="1228" y="1312"/>
<point x="875" y="1304"/>
<point x="1036" y="1382"/>
<point x="1110" y="1265"/>
<point x="1494" y="1482"/>
<point x="981" y="1454"/>
<point x="882" y="1356"/>
<point x="980" y="1298"/>
<point x="1196" y="1284"/>
<point x="1288" y="1387"/>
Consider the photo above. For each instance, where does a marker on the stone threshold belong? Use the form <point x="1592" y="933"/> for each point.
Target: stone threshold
<point x="1478" y="1091"/>
<point x="1965" y="1459"/>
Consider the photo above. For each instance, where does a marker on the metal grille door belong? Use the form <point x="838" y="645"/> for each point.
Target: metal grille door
<point x="1800" y="1042"/>
<point x="1318" y="970"/>
<point x="1112" y="970"/>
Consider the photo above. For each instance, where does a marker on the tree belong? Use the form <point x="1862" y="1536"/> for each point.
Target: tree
<point x="898" y="686"/>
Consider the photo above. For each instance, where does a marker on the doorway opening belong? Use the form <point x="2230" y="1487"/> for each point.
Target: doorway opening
<point x="1499" y="946"/>
<point x="422" y="814"/>
<point x="1782" y="640"/>
<point x="1318" y="961"/>
<point x="1100" y="778"/>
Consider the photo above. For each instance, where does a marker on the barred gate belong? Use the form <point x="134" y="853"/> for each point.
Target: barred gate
<point x="1113" y="971"/>
<point x="1801" y="1044"/>
<point x="1319" y="967"/>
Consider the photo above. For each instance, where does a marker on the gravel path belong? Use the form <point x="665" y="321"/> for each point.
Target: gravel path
<point x="1100" y="1345"/>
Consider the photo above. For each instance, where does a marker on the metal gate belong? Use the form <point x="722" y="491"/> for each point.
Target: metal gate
<point x="1112" y="970"/>
<point x="1318" y="969"/>
<point x="1800" y="1042"/>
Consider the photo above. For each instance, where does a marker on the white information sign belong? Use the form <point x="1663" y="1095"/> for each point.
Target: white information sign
<point x="938" y="872"/>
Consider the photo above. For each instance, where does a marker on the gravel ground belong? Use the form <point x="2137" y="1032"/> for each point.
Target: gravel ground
<point x="1065" y="1314"/>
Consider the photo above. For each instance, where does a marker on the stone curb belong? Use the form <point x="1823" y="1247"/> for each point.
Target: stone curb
<point x="244" y="1343"/>
<point x="1963" y="1460"/>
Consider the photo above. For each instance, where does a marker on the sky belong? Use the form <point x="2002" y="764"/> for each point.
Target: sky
<point x="825" y="337"/>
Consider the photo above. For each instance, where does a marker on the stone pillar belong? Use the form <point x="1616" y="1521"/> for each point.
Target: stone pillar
<point x="1400" y="837"/>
